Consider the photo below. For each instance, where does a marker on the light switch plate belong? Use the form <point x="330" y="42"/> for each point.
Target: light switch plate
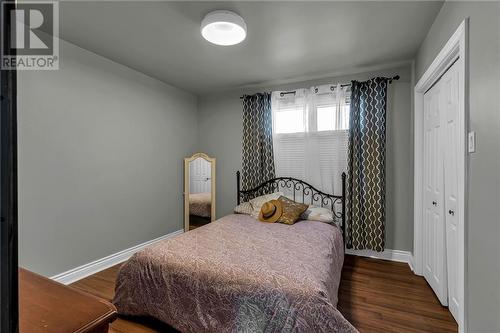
<point x="472" y="142"/>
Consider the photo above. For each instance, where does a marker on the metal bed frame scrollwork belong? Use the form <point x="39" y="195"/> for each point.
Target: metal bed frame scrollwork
<point x="297" y="187"/>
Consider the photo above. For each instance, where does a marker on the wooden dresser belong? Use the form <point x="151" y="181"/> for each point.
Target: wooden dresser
<point x="50" y="307"/>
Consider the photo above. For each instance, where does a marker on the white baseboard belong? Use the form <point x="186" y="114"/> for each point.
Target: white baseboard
<point x="387" y="254"/>
<point x="98" y="265"/>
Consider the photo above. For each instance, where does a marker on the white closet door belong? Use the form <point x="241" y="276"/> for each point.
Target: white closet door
<point x="450" y="89"/>
<point x="200" y="175"/>
<point x="434" y="251"/>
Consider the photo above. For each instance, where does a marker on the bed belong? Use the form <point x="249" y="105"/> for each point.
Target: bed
<point x="241" y="275"/>
<point x="200" y="204"/>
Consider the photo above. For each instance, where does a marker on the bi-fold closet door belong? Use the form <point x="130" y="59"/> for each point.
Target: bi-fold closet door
<point x="441" y="149"/>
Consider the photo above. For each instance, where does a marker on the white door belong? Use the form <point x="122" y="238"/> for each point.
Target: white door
<point x="434" y="246"/>
<point x="200" y="176"/>
<point x="450" y="100"/>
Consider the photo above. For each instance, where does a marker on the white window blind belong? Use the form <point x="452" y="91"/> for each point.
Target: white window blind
<point x="310" y="133"/>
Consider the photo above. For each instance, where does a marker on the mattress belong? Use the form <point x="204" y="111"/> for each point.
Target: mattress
<point x="200" y="204"/>
<point x="239" y="275"/>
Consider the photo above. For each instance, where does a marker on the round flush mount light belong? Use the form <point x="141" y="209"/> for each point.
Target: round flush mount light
<point x="223" y="27"/>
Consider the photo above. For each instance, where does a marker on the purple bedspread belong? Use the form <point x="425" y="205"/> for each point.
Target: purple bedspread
<point x="239" y="275"/>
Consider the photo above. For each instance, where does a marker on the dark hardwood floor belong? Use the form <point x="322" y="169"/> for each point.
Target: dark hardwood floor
<point x="197" y="221"/>
<point x="384" y="296"/>
<point x="374" y="295"/>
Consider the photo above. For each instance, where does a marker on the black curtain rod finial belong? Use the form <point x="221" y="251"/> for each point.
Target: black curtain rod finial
<point x="396" y="77"/>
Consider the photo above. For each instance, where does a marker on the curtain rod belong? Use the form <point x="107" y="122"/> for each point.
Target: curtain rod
<point x="390" y="79"/>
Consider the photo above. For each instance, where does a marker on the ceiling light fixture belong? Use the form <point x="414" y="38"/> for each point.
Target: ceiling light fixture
<point x="223" y="27"/>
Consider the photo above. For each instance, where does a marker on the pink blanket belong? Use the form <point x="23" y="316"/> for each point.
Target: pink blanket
<point x="239" y="275"/>
<point x="200" y="204"/>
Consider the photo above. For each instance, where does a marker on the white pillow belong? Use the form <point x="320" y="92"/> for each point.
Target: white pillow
<point x="244" y="208"/>
<point x="320" y="214"/>
<point x="259" y="201"/>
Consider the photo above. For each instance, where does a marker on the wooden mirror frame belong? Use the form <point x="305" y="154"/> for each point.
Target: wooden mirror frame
<point x="212" y="162"/>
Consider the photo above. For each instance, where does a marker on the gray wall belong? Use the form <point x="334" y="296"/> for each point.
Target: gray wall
<point x="483" y="230"/>
<point x="220" y="128"/>
<point x="100" y="160"/>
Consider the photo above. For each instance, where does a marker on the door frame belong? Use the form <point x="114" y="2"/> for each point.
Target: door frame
<point x="455" y="50"/>
<point x="9" y="280"/>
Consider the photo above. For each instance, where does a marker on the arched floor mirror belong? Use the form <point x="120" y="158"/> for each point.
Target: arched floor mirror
<point x="199" y="190"/>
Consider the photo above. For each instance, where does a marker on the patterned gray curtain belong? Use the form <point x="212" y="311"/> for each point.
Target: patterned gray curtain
<point x="366" y="166"/>
<point x="257" y="143"/>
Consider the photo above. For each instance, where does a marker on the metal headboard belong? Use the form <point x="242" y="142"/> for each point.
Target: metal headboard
<point x="298" y="188"/>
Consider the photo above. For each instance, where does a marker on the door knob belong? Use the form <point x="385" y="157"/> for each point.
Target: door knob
<point x="434" y="203"/>
<point x="451" y="212"/>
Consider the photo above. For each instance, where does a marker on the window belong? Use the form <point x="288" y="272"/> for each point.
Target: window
<point x="327" y="117"/>
<point x="290" y="120"/>
<point x="306" y="111"/>
<point x="310" y="135"/>
<point x="331" y="117"/>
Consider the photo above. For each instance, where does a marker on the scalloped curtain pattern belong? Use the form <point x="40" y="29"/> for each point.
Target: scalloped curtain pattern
<point x="257" y="142"/>
<point x="366" y="166"/>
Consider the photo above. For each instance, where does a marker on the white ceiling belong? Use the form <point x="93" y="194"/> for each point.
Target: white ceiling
<point x="285" y="39"/>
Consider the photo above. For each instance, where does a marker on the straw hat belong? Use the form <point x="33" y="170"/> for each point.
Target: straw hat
<point x="271" y="211"/>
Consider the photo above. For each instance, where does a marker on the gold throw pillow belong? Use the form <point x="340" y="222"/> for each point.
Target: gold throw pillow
<point x="291" y="210"/>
